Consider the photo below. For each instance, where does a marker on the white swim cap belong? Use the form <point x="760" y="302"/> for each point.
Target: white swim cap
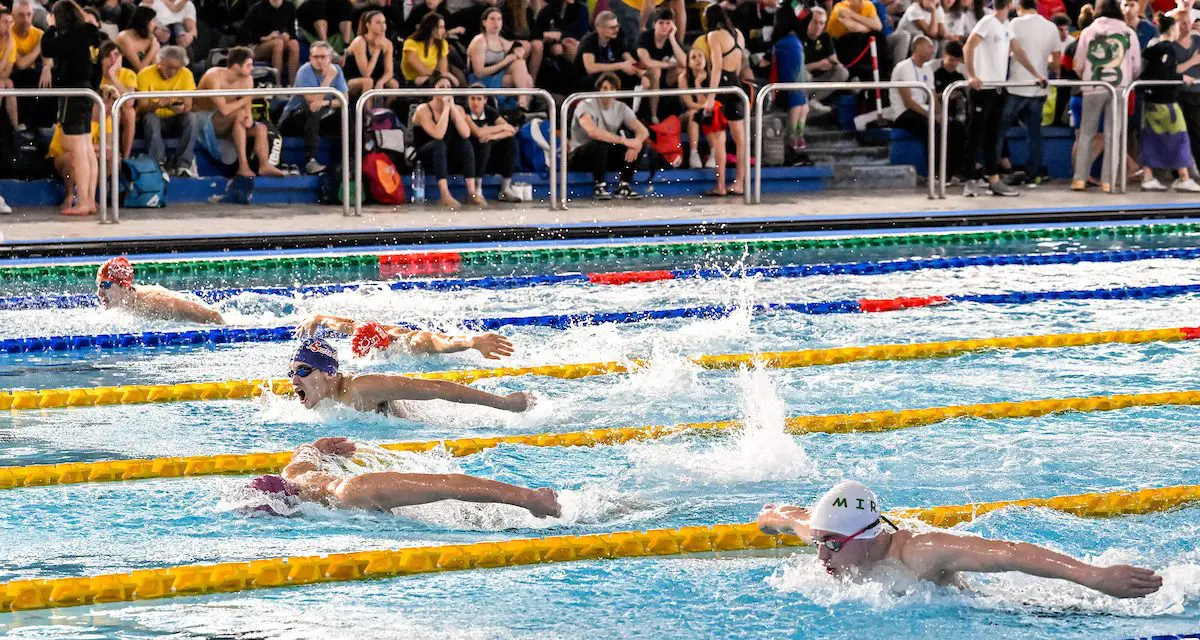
<point x="846" y="509"/>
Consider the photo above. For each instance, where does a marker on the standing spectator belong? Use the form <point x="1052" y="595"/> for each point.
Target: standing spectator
<point x="494" y="142"/>
<point x="230" y="117"/>
<point x="852" y="24"/>
<point x="660" y="54"/>
<point x="695" y="77"/>
<point x="65" y="163"/>
<point x="497" y="62"/>
<point x="792" y="26"/>
<point x="603" y="51"/>
<point x="70" y="51"/>
<point x="596" y="143"/>
<point x="910" y="110"/>
<point x="564" y="22"/>
<point x="8" y="54"/>
<point x="986" y="56"/>
<point x="923" y="17"/>
<point x="1164" y="139"/>
<point x="122" y="80"/>
<point x="425" y="52"/>
<point x="633" y="15"/>
<point x="821" y="61"/>
<point x="317" y="16"/>
<point x="174" y="115"/>
<point x="961" y="18"/>
<point x="948" y="69"/>
<point x="728" y="54"/>
<point x="1188" y="53"/>
<point x="1135" y="17"/>
<point x="369" y="60"/>
<point x="441" y="136"/>
<point x="138" y="44"/>
<point x="1107" y="50"/>
<point x="313" y="116"/>
<point x="1038" y="37"/>
<point x="270" y="28"/>
<point x="176" y="22"/>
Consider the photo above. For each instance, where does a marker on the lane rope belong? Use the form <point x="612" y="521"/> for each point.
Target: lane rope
<point x="270" y="573"/>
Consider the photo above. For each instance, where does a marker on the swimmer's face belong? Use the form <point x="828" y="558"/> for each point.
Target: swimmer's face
<point x="852" y="555"/>
<point x="312" y="388"/>
<point x="114" y="295"/>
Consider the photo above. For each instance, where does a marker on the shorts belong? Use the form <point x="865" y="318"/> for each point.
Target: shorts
<point x="75" y="116"/>
<point x="734" y="108"/>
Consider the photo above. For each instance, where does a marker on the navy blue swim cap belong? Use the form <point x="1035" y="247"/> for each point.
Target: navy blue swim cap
<point x="319" y="354"/>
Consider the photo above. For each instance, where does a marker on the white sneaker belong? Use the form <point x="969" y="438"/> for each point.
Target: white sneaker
<point x="971" y="189"/>
<point x="1153" y="185"/>
<point x="1186" y="185"/>
<point x="694" y="161"/>
<point x="818" y="108"/>
<point x="4" y="208"/>
<point x="711" y="163"/>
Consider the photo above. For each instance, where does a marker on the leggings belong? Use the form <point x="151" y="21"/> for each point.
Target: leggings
<point x="984" y="110"/>
<point x="502" y="154"/>
<point x="436" y="156"/>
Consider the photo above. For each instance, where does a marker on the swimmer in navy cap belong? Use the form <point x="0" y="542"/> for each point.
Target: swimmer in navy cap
<point x="314" y="375"/>
<point x="847" y="526"/>
<point x="116" y="290"/>
<point x="368" y="336"/>
<point x="305" y="478"/>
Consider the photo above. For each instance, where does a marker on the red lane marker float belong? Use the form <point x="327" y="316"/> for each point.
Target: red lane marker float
<point x="629" y="277"/>
<point x="419" y="264"/>
<point x="896" y="304"/>
<point x="1190" y="333"/>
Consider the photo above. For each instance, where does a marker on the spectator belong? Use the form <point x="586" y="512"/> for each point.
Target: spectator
<point x="173" y="115"/>
<point x="138" y="44"/>
<point x="176" y="22"/>
<point x="923" y="17"/>
<point x="1050" y="8"/>
<point x="114" y="14"/>
<point x="910" y="110"/>
<point x="441" y="136"/>
<point x="270" y="28"/>
<point x="986" y="55"/>
<point x="69" y="51"/>
<point x="317" y="16"/>
<point x="1101" y="54"/>
<point x="369" y="60"/>
<point x="418" y="13"/>
<point x="603" y="51"/>
<point x="790" y="30"/>
<point x="852" y="24"/>
<point x="122" y="80"/>
<point x="8" y="54"/>
<point x="961" y="18"/>
<point x="496" y="61"/>
<point x="1164" y="139"/>
<point x="313" y="116"/>
<point x="728" y="54"/>
<point x="948" y="69"/>
<point x="518" y="19"/>
<point x="27" y="47"/>
<point x="1039" y="38"/>
<point x="470" y="18"/>
<point x="661" y="56"/>
<point x="495" y="144"/>
<point x="1135" y="17"/>
<point x="633" y="15"/>
<point x="596" y="143"/>
<point x="66" y="164"/>
<point x="695" y="77"/>
<point x="821" y="61"/>
<point x="1187" y="52"/>
<point x="756" y="20"/>
<point x="562" y="22"/>
<point x="425" y="52"/>
<point x="230" y="117"/>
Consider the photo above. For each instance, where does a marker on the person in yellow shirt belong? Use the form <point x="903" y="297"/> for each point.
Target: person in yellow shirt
<point x="425" y="51"/>
<point x="633" y="15"/>
<point x="63" y="162"/>
<point x="8" y="56"/>
<point x="122" y="80"/>
<point x="173" y="115"/>
<point x="852" y="23"/>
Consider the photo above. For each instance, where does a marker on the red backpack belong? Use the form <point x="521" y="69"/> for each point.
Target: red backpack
<point x="667" y="141"/>
<point x="383" y="180"/>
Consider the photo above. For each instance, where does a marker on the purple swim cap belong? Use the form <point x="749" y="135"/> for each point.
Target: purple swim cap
<point x="318" y="353"/>
<point x="277" y="487"/>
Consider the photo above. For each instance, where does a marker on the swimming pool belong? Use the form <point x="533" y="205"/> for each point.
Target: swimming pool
<point x="687" y="479"/>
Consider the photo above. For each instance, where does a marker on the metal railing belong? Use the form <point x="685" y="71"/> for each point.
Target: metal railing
<point x="365" y="98"/>
<point x="1109" y="131"/>
<point x="94" y="97"/>
<point x="587" y="95"/>
<point x="264" y="92"/>
<point x="767" y="90"/>
<point x="1134" y="86"/>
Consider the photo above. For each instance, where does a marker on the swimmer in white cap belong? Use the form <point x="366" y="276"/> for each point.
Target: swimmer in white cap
<point x="847" y="524"/>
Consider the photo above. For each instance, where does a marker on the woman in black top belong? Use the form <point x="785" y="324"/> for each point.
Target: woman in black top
<point x="71" y="51"/>
<point x="727" y="52"/>
<point x="270" y="30"/>
<point x="441" y="134"/>
<point x="493" y="139"/>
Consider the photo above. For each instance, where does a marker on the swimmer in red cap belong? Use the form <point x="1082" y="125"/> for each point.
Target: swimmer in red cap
<point x="315" y="377"/>
<point x="366" y="336"/>
<point x="304" y="478"/>
<point x="115" y="288"/>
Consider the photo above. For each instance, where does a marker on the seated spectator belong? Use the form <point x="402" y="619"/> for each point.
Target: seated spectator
<point x="425" y="51"/>
<point x="122" y="80"/>
<point x="27" y="47"/>
<point x="469" y="18"/>
<point x="8" y="54"/>
<point x="602" y="51"/>
<point x="695" y="77"/>
<point x="230" y="117"/>
<point x="315" y="116"/>
<point x="661" y="56"/>
<point x="634" y="15"/>
<point x="315" y="17"/>
<point x="66" y="163"/>
<point x="596" y="144"/>
<point x="961" y="17"/>
<point x="820" y="60"/>
<point x="1164" y="139"/>
<point x="923" y="17"/>
<point x="418" y="13"/>
<point x="497" y="62"/>
<point x="495" y="144"/>
<point x="138" y="44"/>
<point x="756" y="20"/>
<point x="910" y="109"/>
<point x="176" y="22"/>
<point x="171" y="115"/>
<point x="726" y="47"/>
<point x="369" y="60"/>
<point x="852" y="23"/>
<point x="270" y="28"/>
<point x="518" y="20"/>
<point x="441" y="136"/>
<point x="946" y="71"/>
<point x="114" y="15"/>
<point x="561" y="24"/>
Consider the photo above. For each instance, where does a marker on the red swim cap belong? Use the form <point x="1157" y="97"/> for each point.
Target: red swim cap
<point x="117" y="271"/>
<point x="367" y="336"/>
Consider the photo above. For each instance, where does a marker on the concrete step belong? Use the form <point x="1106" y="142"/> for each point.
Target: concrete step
<point x="874" y="177"/>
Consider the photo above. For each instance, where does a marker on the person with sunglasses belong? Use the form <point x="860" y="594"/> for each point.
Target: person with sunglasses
<point x="115" y="289"/>
<point x="846" y="525"/>
<point x="368" y="336"/>
<point x="315" y="377"/>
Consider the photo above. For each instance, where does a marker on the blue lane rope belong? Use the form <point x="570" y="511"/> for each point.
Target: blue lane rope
<point x="562" y="321"/>
<point x="516" y="282"/>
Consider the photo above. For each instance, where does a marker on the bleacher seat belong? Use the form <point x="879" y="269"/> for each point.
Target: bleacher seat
<point x="906" y="148"/>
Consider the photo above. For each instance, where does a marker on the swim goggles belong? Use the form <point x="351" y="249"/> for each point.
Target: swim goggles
<point x="107" y="284"/>
<point x="836" y="544"/>
<point x="301" y="371"/>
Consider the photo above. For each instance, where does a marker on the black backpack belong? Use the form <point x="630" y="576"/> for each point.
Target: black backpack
<point x="23" y="156"/>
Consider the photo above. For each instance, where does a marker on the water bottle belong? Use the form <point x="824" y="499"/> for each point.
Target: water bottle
<point x="418" y="184"/>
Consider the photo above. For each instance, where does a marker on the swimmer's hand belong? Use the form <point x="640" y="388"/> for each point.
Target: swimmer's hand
<point x="310" y="326"/>
<point x="776" y="519"/>
<point x="335" y="446"/>
<point x="519" y="401"/>
<point x="493" y="346"/>
<point x="1124" y="581"/>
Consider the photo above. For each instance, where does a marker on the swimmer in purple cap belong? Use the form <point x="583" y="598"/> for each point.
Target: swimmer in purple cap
<point x="314" y="375"/>
<point x="304" y="479"/>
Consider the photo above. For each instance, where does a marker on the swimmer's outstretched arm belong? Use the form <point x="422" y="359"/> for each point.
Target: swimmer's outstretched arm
<point x="171" y="306"/>
<point x="375" y="389"/>
<point x="344" y="326"/>
<point x="967" y="553"/>
<point x="493" y="346"/>
<point x="785" y="518"/>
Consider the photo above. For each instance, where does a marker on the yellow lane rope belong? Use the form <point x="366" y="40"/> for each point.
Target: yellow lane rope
<point x="233" y="464"/>
<point x="194" y="580"/>
<point x="236" y="389"/>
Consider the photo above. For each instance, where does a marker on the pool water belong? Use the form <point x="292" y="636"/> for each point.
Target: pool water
<point x="688" y="479"/>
